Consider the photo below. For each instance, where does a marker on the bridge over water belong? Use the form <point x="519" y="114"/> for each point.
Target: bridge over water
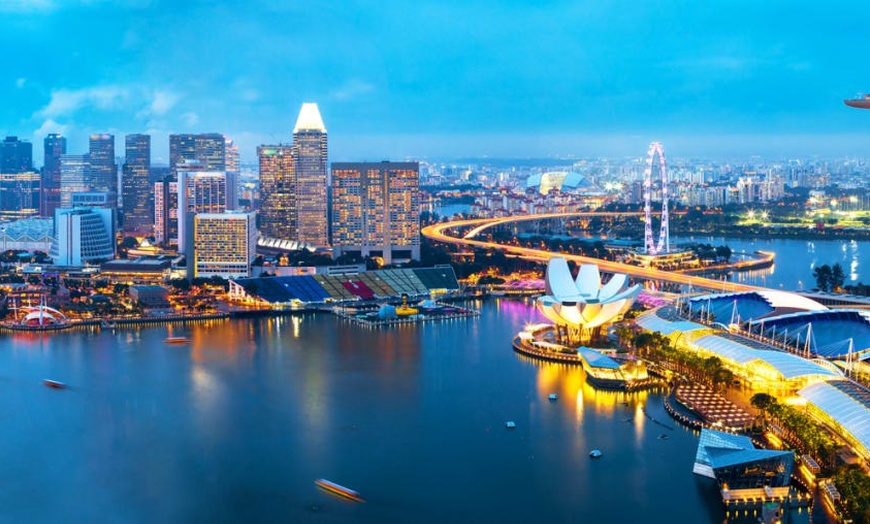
<point x="446" y="232"/>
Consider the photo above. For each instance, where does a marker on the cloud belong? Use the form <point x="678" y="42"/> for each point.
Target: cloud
<point x="20" y="83"/>
<point x="65" y="102"/>
<point x="190" y="119"/>
<point x="49" y="126"/>
<point x="162" y="101"/>
<point x="351" y="89"/>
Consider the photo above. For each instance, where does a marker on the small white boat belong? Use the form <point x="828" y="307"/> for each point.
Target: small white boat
<point x="553" y="396"/>
<point x="595" y="453"/>
<point x="510" y="424"/>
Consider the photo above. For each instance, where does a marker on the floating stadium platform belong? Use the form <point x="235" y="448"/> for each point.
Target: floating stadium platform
<point x="301" y="291"/>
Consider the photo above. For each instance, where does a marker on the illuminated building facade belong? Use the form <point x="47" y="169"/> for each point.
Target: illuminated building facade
<point x="54" y="147"/>
<point x="73" y="177"/>
<point x="224" y="244"/>
<point x="209" y="149"/>
<point x="277" y="189"/>
<point x="19" y="193"/>
<point x="138" y="201"/>
<point x="16" y="156"/>
<point x="166" y="211"/>
<point x="310" y="194"/>
<point x="102" y="170"/>
<point x="200" y="192"/>
<point x="83" y="235"/>
<point x="376" y="210"/>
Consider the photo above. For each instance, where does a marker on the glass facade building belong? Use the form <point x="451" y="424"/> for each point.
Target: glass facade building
<point x="311" y="151"/>
<point x="73" y="177"/>
<point x="735" y="462"/>
<point x="82" y="236"/>
<point x="277" y="190"/>
<point x="103" y="171"/>
<point x="138" y="200"/>
<point x="16" y="156"/>
<point x="54" y="146"/>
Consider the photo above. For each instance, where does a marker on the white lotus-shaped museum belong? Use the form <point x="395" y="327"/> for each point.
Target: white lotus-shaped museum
<point x="583" y="302"/>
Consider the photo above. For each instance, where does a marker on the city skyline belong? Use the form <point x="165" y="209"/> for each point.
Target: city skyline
<point x="526" y="80"/>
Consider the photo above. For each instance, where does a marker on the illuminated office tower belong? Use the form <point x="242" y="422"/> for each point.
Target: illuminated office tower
<point x="138" y="200"/>
<point x="209" y="149"/>
<point x="83" y="235"/>
<point x="224" y="244"/>
<point x="19" y="194"/>
<point x="199" y="192"/>
<point x="103" y="171"/>
<point x="376" y="210"/>
<point x="277" y="191"/>
<point x="54" y="146"/>
<point x="16" y="156"/>
<point x="73" y="177"/>
<point x="309" y="141"/>
<point x="166" y="211"/>
<point x="231" y="162"/>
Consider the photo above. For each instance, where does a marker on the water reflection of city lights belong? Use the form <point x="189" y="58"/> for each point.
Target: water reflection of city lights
<point x="296" y="322"/>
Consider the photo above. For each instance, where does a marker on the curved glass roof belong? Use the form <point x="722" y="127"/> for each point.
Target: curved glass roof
<point x="752" y="304"/>
<point x="596" y="359"/>
<point x="788" y="365"/>
<point x="34" y="228"/>
<point x="845" y="402"/>
<point x="652" y="322"/>
<point x="831" y="330"/>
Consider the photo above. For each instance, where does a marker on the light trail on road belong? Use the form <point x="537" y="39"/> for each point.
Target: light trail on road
<point x="438" y="233"/>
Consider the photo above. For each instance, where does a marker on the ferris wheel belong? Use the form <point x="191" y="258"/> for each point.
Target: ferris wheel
<point x="651" y="247"/>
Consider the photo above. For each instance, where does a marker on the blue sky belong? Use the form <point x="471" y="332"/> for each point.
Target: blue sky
<point x="446" y="78"/>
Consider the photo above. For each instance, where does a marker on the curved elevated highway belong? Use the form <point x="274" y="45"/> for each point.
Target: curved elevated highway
<point x="441" y="233"/>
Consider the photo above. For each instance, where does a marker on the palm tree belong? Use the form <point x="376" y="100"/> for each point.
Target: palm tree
<point x="838" y="277"/>
<point x="823" y="275"/>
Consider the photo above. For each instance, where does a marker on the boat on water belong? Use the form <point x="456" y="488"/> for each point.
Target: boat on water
<point x="176" y="340"/>
<point x="595" y="453"/>
<point x="337" y="489"/>
<point x="553" y="396"/>
<point x="510" y="424"/>
<point x="861" y="102"/>
<point x="53" y="384"/>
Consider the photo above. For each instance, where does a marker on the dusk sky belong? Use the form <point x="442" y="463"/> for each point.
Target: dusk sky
<point x="444" y="79"/>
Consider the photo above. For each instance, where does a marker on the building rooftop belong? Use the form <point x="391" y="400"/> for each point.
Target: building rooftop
<point x="846" y="402"/>
<point x="309" y="119"/>
<point x="786" y="364"/>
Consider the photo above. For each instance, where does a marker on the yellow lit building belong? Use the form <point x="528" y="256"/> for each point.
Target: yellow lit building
<point x="376" y="210"/>
<point x="224" y="244"/>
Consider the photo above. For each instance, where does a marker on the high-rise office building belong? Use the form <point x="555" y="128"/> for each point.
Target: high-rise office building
<point x="199" y="192"/>
<point x="376" y="210"/>
<point x="232" y="163"/>
<point x="19" y="194"/>
<point x="209" y="149"/>
<point x="16" y="156"/>
<point x="83" y="235"/>
<point x="309" y="141"/>
<point x="224" y="244"/>
<point x="277" y="192"/>
<point x="103" y="171"/>
<point x="54" y="146"/>
<point x="166" y="211"/>
<point x="73" y="177"/>
<point x="138" y="199"/>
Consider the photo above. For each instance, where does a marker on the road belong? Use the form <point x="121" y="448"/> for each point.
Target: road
<point x="439" y="233"/>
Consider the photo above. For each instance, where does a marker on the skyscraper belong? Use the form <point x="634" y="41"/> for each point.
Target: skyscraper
<point x="138" y="200"/>
<point x="231" y="163"/>
<point x="166" y="211"/>
<point x="199" y="192"/>
<point x="16" y="156"/>
<point x="19" y="194"/>
<point x="277" y="192"/>
<point x="54" y="147"/>
<point x="209" y="149"/>
<point x="103" y="172"/>
<point x="309" y="141"/>
<point x="376" y="210"/>
<point x="73" y="177"/>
